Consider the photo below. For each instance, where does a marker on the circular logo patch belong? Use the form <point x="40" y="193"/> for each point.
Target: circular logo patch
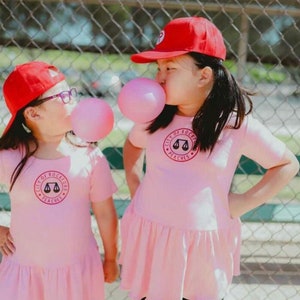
<point x="178" y="145"/>
<point x="51" y="187"/>
<point x="161" y="37"/>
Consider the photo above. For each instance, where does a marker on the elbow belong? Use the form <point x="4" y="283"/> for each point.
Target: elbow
<point x="296" y="166"/>
<point x="288" y="169"/>
<point x="293" y="166"/>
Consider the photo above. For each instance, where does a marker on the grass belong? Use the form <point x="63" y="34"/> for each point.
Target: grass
<point x="81" y="61"/>
<point x="64" y="60"/>
<point x="292" y="142"/>
<point x="115" y="138"/>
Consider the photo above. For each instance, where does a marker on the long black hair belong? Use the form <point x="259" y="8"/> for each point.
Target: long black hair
<point x="225" y="98"/>
<point x="17" y="137"/>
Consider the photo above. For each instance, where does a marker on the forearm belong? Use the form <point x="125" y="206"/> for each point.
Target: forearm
<point x="107" y="220"/>
<point x="133" y="165"/>
<point x="271" y="183"/>
<point x="109" y="235"/>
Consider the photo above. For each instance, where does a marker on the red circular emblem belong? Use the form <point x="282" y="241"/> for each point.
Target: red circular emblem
<point x="178" y="145"/>
<point x="51" y="187"/>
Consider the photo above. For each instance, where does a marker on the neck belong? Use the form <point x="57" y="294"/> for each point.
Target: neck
<point x="48" y="147"/>
<point x="189" y="110"/>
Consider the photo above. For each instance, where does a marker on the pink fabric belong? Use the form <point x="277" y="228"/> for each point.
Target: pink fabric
<point x="56" y="253"/>
<point x="178" y="239"/>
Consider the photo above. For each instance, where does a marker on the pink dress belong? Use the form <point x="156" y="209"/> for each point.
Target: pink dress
<point x="56" y="255"/>
<point x="178" y="239"/>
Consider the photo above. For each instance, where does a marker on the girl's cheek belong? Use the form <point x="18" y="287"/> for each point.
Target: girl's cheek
<point x="167" y="96"/>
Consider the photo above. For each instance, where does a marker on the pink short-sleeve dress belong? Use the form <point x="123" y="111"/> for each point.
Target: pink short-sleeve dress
<point x="56" y="256"/>
<point x="178" y="239"/>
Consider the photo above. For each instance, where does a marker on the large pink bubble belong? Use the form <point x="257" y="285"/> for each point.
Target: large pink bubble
<point x="141" y="100"/>
<point x="92" y="119"/>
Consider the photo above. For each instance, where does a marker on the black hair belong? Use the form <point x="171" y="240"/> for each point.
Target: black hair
<point x="16" y="137"/>
<point x="225" y="98"/>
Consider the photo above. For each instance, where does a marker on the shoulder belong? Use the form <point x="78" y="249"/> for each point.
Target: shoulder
<point x="249" y="122"/>
<point x="138" y="135"/>
<point x="12" y="154"/>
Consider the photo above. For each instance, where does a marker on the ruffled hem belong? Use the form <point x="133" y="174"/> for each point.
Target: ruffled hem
<point x="81" y="281"/>
<point x="166" y="263"/>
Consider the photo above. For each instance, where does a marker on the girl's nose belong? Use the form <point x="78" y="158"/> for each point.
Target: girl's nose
<point x="161" y="80"/>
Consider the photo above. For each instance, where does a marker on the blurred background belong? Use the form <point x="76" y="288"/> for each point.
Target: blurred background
<point x="91" y="42"/>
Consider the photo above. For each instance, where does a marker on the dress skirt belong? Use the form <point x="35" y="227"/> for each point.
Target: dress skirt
<point x="82" y="280"/>
<point x="164" y="263"/>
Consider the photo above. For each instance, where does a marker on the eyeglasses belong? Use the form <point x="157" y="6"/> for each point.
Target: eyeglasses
<point x="65" y="97"/>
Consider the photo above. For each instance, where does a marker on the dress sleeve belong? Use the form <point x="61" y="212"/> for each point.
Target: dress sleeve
<point x="261" y="145"/>
<point x="138" y="135"/>
<point x="102" y="183"/>
<point x="8" y="162"/>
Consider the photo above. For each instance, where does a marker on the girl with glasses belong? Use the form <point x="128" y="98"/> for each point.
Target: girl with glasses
<point x="49" y="251"/>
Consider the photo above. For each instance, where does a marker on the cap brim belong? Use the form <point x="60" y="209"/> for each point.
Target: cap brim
<point x="151" y="56"/>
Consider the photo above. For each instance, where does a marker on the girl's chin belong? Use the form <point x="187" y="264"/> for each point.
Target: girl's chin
<point x="170" y="103"/>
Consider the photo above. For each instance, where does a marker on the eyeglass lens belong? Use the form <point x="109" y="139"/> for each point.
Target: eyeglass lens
<point x="67" y="96"/>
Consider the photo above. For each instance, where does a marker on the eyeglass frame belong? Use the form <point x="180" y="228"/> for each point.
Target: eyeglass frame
<point x="72" y="92"/>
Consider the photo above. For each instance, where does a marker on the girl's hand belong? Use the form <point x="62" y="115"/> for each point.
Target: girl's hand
<point x="7" y="246"/>
<point x="107" y="220"/>
<point x="111" y="270"/>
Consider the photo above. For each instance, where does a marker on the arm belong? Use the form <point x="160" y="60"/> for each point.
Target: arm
<point x="6" y="241"/>
<point x="133" y="158"/>
<point x="107" y="220"/>
<point x="270" y="184"/>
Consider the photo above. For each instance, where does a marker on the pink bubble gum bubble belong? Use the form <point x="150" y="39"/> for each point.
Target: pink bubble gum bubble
<point x="141" y="100"/>
<point x="92" y="119"/>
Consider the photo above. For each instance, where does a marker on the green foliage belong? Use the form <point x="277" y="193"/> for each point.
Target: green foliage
<point x="86" y="60"/>
<point x="267" y="74"/>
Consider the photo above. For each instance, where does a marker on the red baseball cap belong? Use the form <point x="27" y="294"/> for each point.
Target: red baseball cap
<point x="26" y="83"/>
<point x="183" y="35"/>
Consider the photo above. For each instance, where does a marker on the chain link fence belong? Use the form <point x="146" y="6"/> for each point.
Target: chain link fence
<point x="91" y="41"/>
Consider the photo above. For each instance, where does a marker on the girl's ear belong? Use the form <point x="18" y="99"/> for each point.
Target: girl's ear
<point x="206" y="76"/>
<point x="31" y="113"/>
